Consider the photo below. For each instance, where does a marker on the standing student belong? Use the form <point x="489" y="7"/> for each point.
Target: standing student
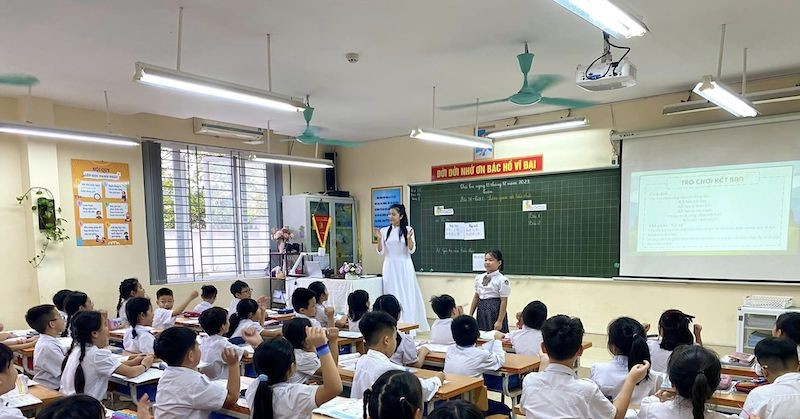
<point x="557" y="392"/>
<point x="324" y="315"/>
<point x="164" y="316"/>
<point x="781" y="398"/>
<point x="306" y="360"/>
<point x="380" y="336"/>
<point x="74" y="302"/>
<point x="694" y="372"/>
<point x="48" y="354"/>
<point x="397" y="243"/>
<point x="209" y="295"/>
<point x="445" y="308"/>
<point x="627" y="342"/>
<point x="406" y="352"/>
<point x="491" y="294"/>
<point x="128" y="288"/>
<point x="357" y="306"/>
<point x="240" y="291"/>
<point x="271" y="396"/>
<point x="214" y="322"/>
<point x="88" y="364"/>
<point x="249" y="315"/>
<point x="184" y="393"/>
<point x="527" y="340"/>
<point x="8" y="381"/>
<point x="395" y="395"/>
<point x="138" y="338"/>
<point x="58" y="301"/>
<point x="304" y="303"/>
<point x="673" y="331"/>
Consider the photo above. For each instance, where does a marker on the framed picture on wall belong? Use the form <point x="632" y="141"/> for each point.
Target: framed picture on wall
<point x="482" y="153"/>
<point x="382" y="199"/>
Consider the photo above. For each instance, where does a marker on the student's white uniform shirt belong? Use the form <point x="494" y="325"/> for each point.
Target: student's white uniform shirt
<point x="184" y="393"/>
<point x="352" y="325"/>
<point x="558" y="393"/>
<point x="307" y="364"/>
<point x="406" y="352"/>
<point x="441" y="333"/>
<point x="48" y="356"/>
<point x="211" y="349"/>
<point x="163" y="318"/>
<point x="678" y="408"/>
<point x="659" y="358"/>
<point x="289" y="400"/>
<point x="232" y="306"/>
<point x="98" y="365"/>
<point x="370" y="366"/>
<point x="141" y="344"/>
<point x="781" y="399"/>
<point x="474" y="361"/>
<point x="246" y="324"/>
<point x="526" y="341"/>
<point x="611" y="375"/>
<point x="10" y="413"/>
<point x="321" y="318"/>
<point x="121" y="312"/>
<point x="497" y="287"/>
<point x="202" y="306"/>
<point x="314" y="322"/>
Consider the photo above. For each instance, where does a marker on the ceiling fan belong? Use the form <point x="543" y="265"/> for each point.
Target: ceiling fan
<point x="310" y="134"/>
<point x="531" y="91"/>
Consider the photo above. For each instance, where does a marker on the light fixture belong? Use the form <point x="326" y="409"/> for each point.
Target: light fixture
<point x="607" y="16"/>
<point x="441" y="136"/>
<point x="533" y="129"/>
<point x="724" y="97"/>
<point x="756" y="98"/>
<point x="173" y="79"/>
<point x="292" y="160"/>
<point x="64" y="134"/>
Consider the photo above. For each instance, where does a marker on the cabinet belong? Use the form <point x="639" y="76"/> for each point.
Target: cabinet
<point x="342" y="242"/>
<point x="755" y="324"/>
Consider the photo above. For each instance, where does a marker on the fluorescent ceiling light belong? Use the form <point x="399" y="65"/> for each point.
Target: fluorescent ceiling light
<point x="533" y="129"/>
<point x="64" y="134"/>
<point x="606" y="16"/>
<point x="293" y="160"/>
<point x="173" y="79"/>
<point x="448" y="137"/>
<point x="757" y="98"/>
<point x="724" y="97"/>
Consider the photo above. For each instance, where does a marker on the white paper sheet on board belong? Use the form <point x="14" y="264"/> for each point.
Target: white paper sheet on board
<point x="474" y="231"/>
<point x="454" y="231"/>
<point x="477" y="262"/>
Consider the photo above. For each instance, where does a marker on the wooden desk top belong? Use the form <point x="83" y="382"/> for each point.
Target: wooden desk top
<point x="456" y="384"/>
<point x="748" y="372"/>
<point x="407" y="327"/>
<point x="514" y="364"/>
<point x="509" y="347"/>
<point x="44" y="394"/>
<point x="27" y="352"/>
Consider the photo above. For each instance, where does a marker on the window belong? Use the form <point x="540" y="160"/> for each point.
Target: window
<point x="214" y="211"/>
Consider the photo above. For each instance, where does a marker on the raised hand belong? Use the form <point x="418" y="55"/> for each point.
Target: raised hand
<point x="194" y="294"/>
<point x="315" y="336"/>
<point x="230" y="357"/>
<point x="377" y="233"/>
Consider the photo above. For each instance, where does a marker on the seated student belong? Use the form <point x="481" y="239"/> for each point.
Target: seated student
<point x="305" y="358"/>
<point x="694" y="372"/>
<point x="164" y="315"/>
<point x="305" y="305"/>
<point x="324" y="315"/>
<point x="272" y="396"/>
<point x="58" y="301"/>
<point x="626" y="341"/>
<point x="406" y="352"/>
<point x="8" y="381"/>
<point x="87" y="367"/>
<point x="74" y="302"/>
<point x="357" y="306"/>
<point x="209" y="295"/>
<point x="184" y="393"/>
<point x="673" y="331"/>
<point x="248" y="315"/>
<point x="445" y="308"/>
<point x="128" y="288"/>
<point x="456" y="409"/>
<point x="788" y="326"/>
<point x="558" y="392"/>
<point x="380" y="336"/>
<point x="395" y="395"/>
<point x="240" y="291"/>
<point x="527" y="340"/>
<point x="214" y="322"/>
<point x="76" y="406"/>
<point x="48" y="355"/>
<point x="464" y="358"/>
<point x="138" y="338"/>
<point x="781" y="398"/>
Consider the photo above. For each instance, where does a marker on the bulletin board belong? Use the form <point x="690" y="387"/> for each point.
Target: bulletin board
<point x="382" y="199"/>
<point x="102" y="203"/>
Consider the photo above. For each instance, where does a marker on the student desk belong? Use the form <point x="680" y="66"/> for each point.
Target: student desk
<point x="149" y="377"/>
<point x="24" y="358"/>
<point x="44" y="394"/>
<point x="407" y="327"/>
<point x="119" y="335"/>
<point x="456" y="386"/>
<point x="240" y="410"/>
<point x="190" y="322"/>
<point x="737" y="371"/>
<point x="510" y="348"/>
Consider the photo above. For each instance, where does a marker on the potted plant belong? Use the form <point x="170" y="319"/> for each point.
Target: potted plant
<point x="351" y="271"/>
<point x="49" y="220"/>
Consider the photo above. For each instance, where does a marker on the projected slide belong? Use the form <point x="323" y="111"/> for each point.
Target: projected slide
<point x="738" y="209"/>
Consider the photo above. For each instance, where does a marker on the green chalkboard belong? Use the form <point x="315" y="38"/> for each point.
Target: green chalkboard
<point x="577" y="235"/>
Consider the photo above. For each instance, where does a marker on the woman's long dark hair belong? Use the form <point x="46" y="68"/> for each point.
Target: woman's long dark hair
<point x="274" y="359"/>
<point x="135" y="307"/>
<point x="628" y="336"/>
<point x="244" y="309"/>
<point x="401" y="210"/>
<point x="695" y="373"/>
<point x="357" y="305"/>
<point x="674" y="325"/>
<point x="72" y="304"/>
<point x="126" y="287"/>
<point x="395" y="395"/>
<point x="83" y="324"/>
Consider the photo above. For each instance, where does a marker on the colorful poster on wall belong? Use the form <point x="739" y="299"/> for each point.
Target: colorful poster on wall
<point x="102" y="197"/>
<point x="382" y="200"/>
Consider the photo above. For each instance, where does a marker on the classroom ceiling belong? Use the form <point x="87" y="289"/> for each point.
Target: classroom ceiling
<point x="467" y="48"/>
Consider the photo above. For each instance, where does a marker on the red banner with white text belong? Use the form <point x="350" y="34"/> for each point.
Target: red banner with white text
<point x="484" y="168"/>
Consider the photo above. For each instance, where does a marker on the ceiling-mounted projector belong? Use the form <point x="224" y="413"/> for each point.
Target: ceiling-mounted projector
<point x="604" y="76"/>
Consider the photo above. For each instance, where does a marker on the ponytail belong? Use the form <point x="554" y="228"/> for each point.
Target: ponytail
<point x="83" y="324"/>
<point x="628" y="337"/>
<point x="699" y="395"/>
<point x="262" y="403"/>
<point x="80" y="378"/>
<point x="272" y="360"/>
<point x="135" y="307"/>
<point x="244" y="309"/>
<point x="72" y="305"/>
<point x="126" y="287"/>
<point x="695" y="373"/>
<point x="395" y="395"/>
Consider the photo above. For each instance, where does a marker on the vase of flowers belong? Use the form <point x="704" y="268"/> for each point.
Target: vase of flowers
<point x="351" y="271"/>
<point x="282" y="236"/>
